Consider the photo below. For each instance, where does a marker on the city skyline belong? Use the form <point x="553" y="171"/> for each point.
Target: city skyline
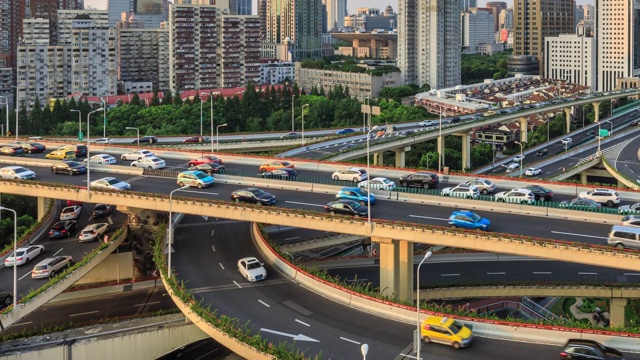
<point x="351" y="4"/>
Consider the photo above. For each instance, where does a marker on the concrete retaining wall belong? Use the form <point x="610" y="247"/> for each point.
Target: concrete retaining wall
<point x="114" y="267"/>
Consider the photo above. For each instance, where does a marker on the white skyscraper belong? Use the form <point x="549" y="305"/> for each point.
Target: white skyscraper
<point x="429" y="42"/>
<point x="614" y="41"/>
<point x="477" y="28"/>
<point x="572" y="57"/>
<point x="336" y="11"/>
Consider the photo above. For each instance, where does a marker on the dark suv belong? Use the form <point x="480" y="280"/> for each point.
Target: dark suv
<point x="420" y="179"/>
<point x="589" y="349"/>
<point x="81" y="150"/>
<point x="146" y="139"/>
<point x="5" y="299"/>
<point x="541" y="193"/>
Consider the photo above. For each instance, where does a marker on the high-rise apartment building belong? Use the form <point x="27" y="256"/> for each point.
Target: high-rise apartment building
<point x="495" y="7"/>
<point x="240" y="7"/>
<point x="139" y="52"/>
<point x="208" y="48"/>
<point x="476" y="28"/>
<point x="578" y="15"/>
<point x="533" y="21"/>
<point x="572" y="57"/>
<point x="429" y="42"/>
<point x="505" y="19"/>
<point x="117" y="7"/>
<point x="12" y="12"/>
<point x="336" y="11"/>
<point x="293" y="29"/>
<point x="262" y="15"/>
<point x="48" y="9"/>
<point x="468" y="4"/>
<point x="614" y="32"/>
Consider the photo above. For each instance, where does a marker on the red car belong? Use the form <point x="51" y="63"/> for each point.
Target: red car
<point x="206" y="159"/>
<point x="73" y="202"/>
<point x="195" y="139"/>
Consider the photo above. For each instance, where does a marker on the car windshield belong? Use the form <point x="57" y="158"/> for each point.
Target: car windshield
<point x="201" y="175"/>
<point x="253" y="265"/>
<point x="73" y="164"/>
<point x="112" y="181"/>
<point x="258" y="192"/>
<point x="68" y="210"/>
<point x="355" y="205"/>
<point x="58" y="226"/>
<point x="456" y="327"/>
<point x="387" y="181"/>
<point x="40" y="267"/>
<point x="362" y="192"/>
<point x="19" y="170"/>
<point x="89" y="231"/>
<point x="101" y="207"/>
<point x="475" y="217"/>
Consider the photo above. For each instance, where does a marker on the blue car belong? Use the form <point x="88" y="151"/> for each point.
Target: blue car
<point x="345" y="131"/>
<point x="356" y="194"/>
<point x="469" y="220"/>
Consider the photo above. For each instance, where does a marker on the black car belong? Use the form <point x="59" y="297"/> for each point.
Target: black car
<point x="253" y="196"/>
<point x="69" y="167"/>
<point x="146" y="139"/>
<point x="282" y="173"/>
<point x="63" y="229"/>
<point x="81" y="150"/>
<point x="102" y="210"/>
<point x="6" y="298"/>
<point x="346" y="207"/>
<point x="542" y="152"/>
<point x="589" y="349"/>
<point x="420" y="179"/>
<point x="540" y="192"/>
<point x="32" y="147"/>
<point x="211" y="168"/>
<point x="12" y="150"/>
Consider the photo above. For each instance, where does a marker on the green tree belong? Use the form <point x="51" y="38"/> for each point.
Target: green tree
<point x="34" y="122"/>
<point x="167" y="98"/>
<point x="155" y="99"/>
<point x="177" y="100"/>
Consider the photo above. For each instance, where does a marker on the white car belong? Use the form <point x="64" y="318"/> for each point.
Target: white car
<point x="518" y="196"/>
<point x="518" y="158"/>
<point x="351" y="174"/>
<point x="378" y="183"/>
<point x="566" y="141"/>
<point x="152" y="162"/>
<point x="533" y="171"/>
<point x="104" y="141"/>
<point x="24" y="255"/>
<point x="606" y="197"/>
<point x="102" y="159"/>
<point x="461" y="191"/>
<point x="428" y="123"/>
<point x="485" y="186"/>
<point x="93" y="231"/>
<point x="17" y="172"/>
<point x="512" y="167"/>
<point x="70" y="212"/>
<point x="110" y="183"/>
<point x="51" y="266"/>
<point x="252" y="269"/>
<point x="136" y="155"/>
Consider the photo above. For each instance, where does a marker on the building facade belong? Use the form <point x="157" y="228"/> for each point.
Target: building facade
<point x="139" y="57"/>
<point x="293" y="29"/>
<point x="505" y="19"/>
<point x="370" y="19"/>
<point x="429" y="42"/>
<point x="117" y="7"/>
<point x="571" y="57"/>
<point x="614" y="41"/>
<point x="495" y="8"/>
<point x="476" y="27"/>
<point x="336" y="11"/>
<point x="272" y="73"/>
<point x="240" y="7"/>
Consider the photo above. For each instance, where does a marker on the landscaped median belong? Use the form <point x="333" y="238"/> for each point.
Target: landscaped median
<point x="366" y="298"/>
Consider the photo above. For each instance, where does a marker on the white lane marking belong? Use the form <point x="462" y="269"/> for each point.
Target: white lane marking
<point x="292" y="238"/>
<point x="24" y="276"/>
<point x="587" y="273"/>
<point x="449" y="274"/>
<point x="542" y="272"/>
<point x="212" y="232"/>
<point x="301" y="203"/>
<point x="427" y="217"/>
<point x="58" y="252"/>
<point x="238" y="285"/>
<point x="302" y="322"/>
<point x="149" y="303"/>
<point x="110" y="220"/>
<point x="24" y="323"/>
<point x="349" y="340"/>
<point x="631" y="274"/>
<point x="496" y="273"/>
<point x="263" y="303"/>
<point x="213" y="248"/>
<point x="222" y="266"/>
<point x="581" y="235"/>
<point x="84" y="313"/>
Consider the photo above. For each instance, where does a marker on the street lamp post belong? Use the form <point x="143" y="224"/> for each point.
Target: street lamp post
<point x="364" y="115"/>
<point x="217" y="129"/>
<point x="364" y="349"/>
<point x="15" y="257"/>
<point x="6" y="107"/>
<point x="170" y="240"/>
<point x="521" y="156"/>
<point x="104" y="117"/>
<point x="79" y="121"/>
<point x="137" y="132"/>
<point x="293" y="112"/>
<point x="440" y="153"/>
<point x="17" y="110"/>
<point x="89" y="152"/>
<point x="419" y="339"/>
<point x="201" y="111"/>
<point x="303" y="106"/>
<point x="211" y="119"/>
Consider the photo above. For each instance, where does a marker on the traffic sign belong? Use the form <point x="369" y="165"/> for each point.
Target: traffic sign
<point x="603" y="132"/>
<point x="80" y="136"/>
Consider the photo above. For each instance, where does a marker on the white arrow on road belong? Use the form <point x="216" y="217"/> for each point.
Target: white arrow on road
<point x="298" y="337"/>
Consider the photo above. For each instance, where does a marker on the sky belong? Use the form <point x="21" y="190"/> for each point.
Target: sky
<point x="351" y="4"/>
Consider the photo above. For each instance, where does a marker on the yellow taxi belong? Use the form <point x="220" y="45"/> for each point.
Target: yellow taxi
<point x="489" y="113"/>
<point x="61" y="154"/>
<point x="446" y="331"/>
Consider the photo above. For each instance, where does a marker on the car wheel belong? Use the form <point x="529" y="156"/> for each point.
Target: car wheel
<point x="609" y="203"/>
<point x="403" y="183"/>
<point x="199" y="185"/>
<point x="332" y="212"/>
<point x="456" y="345"/>
<point x="237" y="200"/>
<point x="484" y="191"/>
<point x="336" y="178"/>
<point x="258" y="203"/>
<point x="263" y="170"/>
<point x="619" y="246"/>
<point x="221" y="171"/>
<point x="52" y="274"/>
<point x="181" y="184"/>
<point x="123" y="158"/>
<point x="70" y="172"/>
<point x="7" y="302"/>
<point x="426" y="339"/>
<point x="134" y="165"/>
<point x="355" y="179"/>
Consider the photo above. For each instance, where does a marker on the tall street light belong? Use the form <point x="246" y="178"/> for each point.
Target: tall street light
<point x="440" y="153"/>
<point x="104" y="117"/>
<point x="17" y="110"/>
<point x="79" y="122"/>
<point x="521" y="156"/>
<point x="201" y="110"/>
<point x="137" y="132"/>
<point x="293" y="112"/>
<point x="303" y="106"/>
<point x="419" y="340"/>
<point x="364" y="349"/>
<point x="6" y="107"/>
<point x="89" y="152"/>
<point x="170" y="240"/>
<point x="217" y="128"/>
<point x="15" y="250"/>
<point x="211" y="120"/>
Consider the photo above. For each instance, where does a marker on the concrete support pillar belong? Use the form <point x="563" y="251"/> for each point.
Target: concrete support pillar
<point x="567" y="115"/>
<point x="401" y="155"/>
<point x="389" y="260"/>
<point x="466" y="151"/>
<point x="596" y="111"/>
<point x="405" y="267"/>
<point x="583" y="178"/>
<point x="616" y="311"/>
<point x="42" y="207"/>
<point x="524" y="129"/>
<point x="378" y="158"/>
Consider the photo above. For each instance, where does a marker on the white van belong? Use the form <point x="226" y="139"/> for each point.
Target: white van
<point x="512" y="167"/>
<point x="624" y="237"/>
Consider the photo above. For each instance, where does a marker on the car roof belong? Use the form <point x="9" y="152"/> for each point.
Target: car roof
<point x="13" y="167"/>
<point x="462" y="212"/>
<point x="248" y="259"/>
<point x="107" y="178"/>
<point x="344" y="201"/>
<point x="92" y="226"/>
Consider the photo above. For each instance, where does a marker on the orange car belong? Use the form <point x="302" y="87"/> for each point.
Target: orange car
<point x="276" y="165"/>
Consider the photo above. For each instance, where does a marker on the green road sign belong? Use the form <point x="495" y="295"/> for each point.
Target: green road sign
<point x="80" y="136"/>
<point x="603" y="132"/>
